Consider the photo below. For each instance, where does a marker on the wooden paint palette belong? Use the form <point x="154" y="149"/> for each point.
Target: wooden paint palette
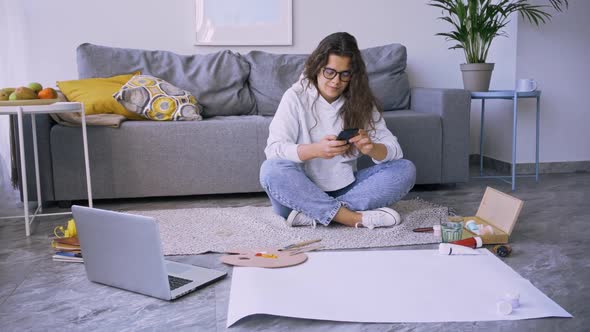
<point x="269" y="258"/>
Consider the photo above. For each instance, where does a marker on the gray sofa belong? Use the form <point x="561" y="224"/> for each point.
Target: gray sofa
<point x="223" y="152"/>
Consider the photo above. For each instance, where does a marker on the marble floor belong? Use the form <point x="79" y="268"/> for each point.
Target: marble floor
<point x="550" y="248"/>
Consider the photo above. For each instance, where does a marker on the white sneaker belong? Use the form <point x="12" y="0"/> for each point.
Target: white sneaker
<point x="381" y="217"/>
<point x="297" y="218"/>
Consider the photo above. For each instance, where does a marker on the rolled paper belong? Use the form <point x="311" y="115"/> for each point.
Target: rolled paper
<point x="472" y="242"/>
<point x="504" y="308"/>
<point x="453" y="249"/>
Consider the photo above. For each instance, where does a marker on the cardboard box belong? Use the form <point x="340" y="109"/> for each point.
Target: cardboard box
<point x="498" y="210"/>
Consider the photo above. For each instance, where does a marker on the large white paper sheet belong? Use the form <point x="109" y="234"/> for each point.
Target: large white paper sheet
<point x="387" y="287"/>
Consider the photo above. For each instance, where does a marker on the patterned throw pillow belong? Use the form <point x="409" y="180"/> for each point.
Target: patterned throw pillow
<point x="156" y="99"/>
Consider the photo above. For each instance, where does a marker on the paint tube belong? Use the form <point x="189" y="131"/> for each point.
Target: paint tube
<point x="472" y="242"/>
<point x="454" y="249"/>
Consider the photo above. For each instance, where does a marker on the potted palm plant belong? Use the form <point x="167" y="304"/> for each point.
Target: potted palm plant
<point x="475" y="25"/>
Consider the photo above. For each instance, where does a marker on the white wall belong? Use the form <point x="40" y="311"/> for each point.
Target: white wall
<point x="557" y="56"/>
<point x="12" y="66"/>
<point x="55" y="28"/>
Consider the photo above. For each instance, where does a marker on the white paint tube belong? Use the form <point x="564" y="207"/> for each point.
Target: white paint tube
<point x="454" y="249"/>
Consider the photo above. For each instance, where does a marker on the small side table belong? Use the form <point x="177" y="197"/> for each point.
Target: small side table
<point x="19" y="111"/>
<point x="510" y="95"/>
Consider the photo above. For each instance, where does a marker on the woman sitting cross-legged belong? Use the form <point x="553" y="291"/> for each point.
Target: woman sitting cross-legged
<point x="309" y="175"/>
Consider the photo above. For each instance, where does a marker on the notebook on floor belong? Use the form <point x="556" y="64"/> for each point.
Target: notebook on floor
<point x="124" y="251"/>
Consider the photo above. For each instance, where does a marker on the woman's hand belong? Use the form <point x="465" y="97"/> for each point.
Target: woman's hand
<point x="329" y="147"/>
<point x="362" y="142"/>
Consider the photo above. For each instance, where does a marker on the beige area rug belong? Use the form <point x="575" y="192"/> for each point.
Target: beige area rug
<point x="200" y="230"/>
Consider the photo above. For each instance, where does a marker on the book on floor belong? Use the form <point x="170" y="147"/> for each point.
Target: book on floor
<point x="73" y="241"/>
<point x="68" y="257"/>
<point x="66" y="244"/>
<point x="67" y="249"/>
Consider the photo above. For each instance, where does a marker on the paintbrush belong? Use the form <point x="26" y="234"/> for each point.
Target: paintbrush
<point x="302" y="250"/>
<point x="299" y="245"/>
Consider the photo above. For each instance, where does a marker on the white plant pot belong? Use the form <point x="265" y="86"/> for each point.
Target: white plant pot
<point x="477" y="76"/>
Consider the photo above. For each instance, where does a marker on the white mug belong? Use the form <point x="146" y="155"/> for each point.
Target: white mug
<point x="526" y="85"/>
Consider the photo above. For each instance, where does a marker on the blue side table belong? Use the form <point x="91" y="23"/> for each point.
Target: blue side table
<point x="511" y="95"/>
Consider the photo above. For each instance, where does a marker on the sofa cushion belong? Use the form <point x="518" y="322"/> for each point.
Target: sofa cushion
<point x="386" y="67"/>
<point x="156" y="99"/>
<point x="97" y="94"/>
<point x="217" y="80"/>
<point x="272" y="74"/>
<point x="160" y="158"/>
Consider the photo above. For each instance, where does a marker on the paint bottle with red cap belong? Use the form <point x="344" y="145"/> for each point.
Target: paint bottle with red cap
<point x="472" y="242"/>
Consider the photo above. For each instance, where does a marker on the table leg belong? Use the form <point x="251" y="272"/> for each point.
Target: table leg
<point x="36" y="154"/>
<point x="514" y="124"/>
<point x="483" y="109"/>
<point x="23" y="168"/>
<point x="537" y="140"/>
<point x="86" y="159"/>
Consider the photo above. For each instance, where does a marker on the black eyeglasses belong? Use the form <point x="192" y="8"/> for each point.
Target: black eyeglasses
<point x="330" y="73"/>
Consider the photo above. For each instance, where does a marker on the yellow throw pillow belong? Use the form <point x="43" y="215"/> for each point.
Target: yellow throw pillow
<point x="156" y="99"/>
<point x="97" y="94"/>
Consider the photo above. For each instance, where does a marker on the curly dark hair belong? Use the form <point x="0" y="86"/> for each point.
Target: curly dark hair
<point x="359" y="99"/>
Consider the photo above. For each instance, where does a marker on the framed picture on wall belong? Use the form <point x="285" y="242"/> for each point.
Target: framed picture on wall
<point x="244" y="22"/>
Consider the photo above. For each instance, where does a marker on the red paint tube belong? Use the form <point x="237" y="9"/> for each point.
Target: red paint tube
<point x="472" y="242"/>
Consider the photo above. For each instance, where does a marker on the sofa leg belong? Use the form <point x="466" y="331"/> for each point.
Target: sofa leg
<point x="64" y="204"/>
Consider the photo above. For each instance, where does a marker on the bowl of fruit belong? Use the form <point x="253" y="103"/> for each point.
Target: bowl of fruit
<point x="32" y="94"/>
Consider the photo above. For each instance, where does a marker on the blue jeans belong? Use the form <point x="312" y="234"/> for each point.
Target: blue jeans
<point x="289" y="188"/>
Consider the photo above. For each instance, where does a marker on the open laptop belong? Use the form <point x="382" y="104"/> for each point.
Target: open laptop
<point x="124" y="251"/>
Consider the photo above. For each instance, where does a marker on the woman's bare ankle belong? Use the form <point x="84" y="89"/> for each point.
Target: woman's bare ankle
<point x="347" y="217"/>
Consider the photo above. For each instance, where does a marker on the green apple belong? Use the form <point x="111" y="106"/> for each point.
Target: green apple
<point x="35" y="86"/>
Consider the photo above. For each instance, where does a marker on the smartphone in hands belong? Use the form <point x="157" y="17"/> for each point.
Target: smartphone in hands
<point x="347" y="134"/>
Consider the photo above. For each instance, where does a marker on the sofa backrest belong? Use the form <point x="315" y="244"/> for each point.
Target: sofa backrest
<point x="272" y="74"/>
<point x="218" y="80"/>
<point x="227" y="83"/>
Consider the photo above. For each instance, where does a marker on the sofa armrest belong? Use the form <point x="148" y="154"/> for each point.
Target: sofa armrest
<point x="453" y="106"/>
<point x="43" y="123"/>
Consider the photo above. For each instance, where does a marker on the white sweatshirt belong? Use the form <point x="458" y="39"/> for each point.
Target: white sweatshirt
<point x="299" y="121"/>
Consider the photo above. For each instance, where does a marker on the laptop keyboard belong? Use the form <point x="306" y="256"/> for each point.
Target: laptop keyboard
<point x="176" y="282"/>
